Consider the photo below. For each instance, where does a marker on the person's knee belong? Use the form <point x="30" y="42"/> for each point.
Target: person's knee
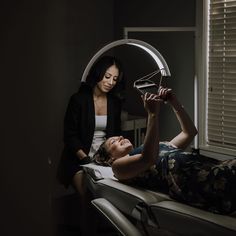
<point x="78" y="182"/>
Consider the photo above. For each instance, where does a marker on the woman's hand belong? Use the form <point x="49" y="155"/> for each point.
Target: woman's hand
<point x="152" y="103"/>
<point x="166" y="94"/>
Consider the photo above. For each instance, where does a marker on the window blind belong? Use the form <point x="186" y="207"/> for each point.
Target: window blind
<point x="221" y="111"/>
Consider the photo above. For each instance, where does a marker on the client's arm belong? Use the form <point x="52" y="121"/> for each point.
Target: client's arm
<point x="188" y="129"/>
<point x="151" y="140"/>
<point x="127" y="167"/>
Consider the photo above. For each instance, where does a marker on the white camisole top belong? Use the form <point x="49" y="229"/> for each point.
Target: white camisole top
<point x="99" y="133"/>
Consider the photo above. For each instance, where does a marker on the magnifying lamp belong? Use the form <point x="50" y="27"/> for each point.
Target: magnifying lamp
<point x="157" y="57"/>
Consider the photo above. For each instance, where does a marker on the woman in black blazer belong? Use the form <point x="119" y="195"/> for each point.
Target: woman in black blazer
<point x="99" y="96"/>
<point x="93" y="114"/>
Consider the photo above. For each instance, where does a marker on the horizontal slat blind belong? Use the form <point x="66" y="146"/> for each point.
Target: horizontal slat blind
<point x="222" y="74"/>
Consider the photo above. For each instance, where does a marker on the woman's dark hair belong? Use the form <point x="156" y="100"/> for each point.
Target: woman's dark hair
<point x="101" y="156"/>
<point x="99" y="69"/>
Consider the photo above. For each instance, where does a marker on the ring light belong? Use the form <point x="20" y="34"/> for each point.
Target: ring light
<point x="158" y="58"/>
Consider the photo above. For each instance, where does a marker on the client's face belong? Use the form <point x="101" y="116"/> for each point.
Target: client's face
<point x="118" y="146"/>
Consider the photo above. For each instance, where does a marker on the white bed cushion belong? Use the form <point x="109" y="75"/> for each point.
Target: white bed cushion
<point x="99" y="172"/>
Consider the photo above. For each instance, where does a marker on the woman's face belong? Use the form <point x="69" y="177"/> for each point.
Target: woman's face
<point x="109" y="80"/>
<point x="118" y="146"/>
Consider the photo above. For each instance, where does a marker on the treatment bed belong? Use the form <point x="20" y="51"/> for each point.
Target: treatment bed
<point x="127" y="206"/>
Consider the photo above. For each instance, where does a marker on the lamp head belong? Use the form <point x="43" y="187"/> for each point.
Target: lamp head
<point x="157" y="57"/>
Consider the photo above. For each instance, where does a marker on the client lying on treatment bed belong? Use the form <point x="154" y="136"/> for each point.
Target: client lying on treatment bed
<point x="164" y="166"/>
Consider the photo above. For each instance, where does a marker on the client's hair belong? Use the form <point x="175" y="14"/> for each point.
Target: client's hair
<point x="101" y="156"/>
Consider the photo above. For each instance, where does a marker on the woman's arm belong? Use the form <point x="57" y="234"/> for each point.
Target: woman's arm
<point x="130" y="166"/>
<point x="71" y="120"/>
<point x="151" y="141"/>
<point x="188" y="129"/>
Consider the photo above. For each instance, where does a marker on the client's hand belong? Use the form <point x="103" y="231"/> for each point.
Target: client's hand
<point x="85" y="160"/>
<point x="168" y="96"/>
<point x="152" y="103"/>
<point x="166" y="93"/>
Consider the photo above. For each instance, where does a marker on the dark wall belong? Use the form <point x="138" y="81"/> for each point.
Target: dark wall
<point x="177" y="47"/>
<point x="25" y="127"/>
<point x="156" y="13"/>
<point x="45" y="46"/>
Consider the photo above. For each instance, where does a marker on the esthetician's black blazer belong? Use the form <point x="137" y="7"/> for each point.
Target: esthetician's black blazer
<point x="79" y="125"/>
